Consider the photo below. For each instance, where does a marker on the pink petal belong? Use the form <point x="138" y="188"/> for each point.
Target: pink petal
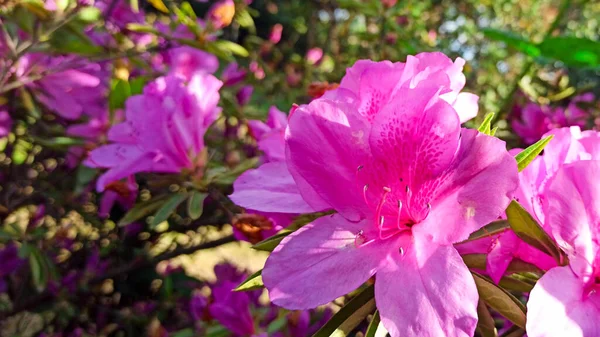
<point x="558" y="306"/>
<point x="273" y="146"/>
<point x="414" y="138"/>
<point x="269" y="188"/>
<point x="572" y="211"/>
<point x="327" y="142"/>
<point x="112" y="155"/>
<point x="427" y="292"/>
<point x="320" y="262"/>
<point x="473" y="192"/>
<point x="466" y="106"/>
<point x="501" y="254"/>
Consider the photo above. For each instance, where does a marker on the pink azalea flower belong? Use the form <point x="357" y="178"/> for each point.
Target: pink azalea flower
<point x="185" y="61"/>
<point x="232" y="74"/>
<point x="314" y="55"/>
<point x="69" y="86"/>
<point x="270" y="135"/>
<point x="163" y="131"/>
<point x="275" y="35"/>
<point x="364" y="80"/>
<point x="244" y="95"/>
<point x="566" y="300"/>
<point x="536" y="120"/>
<point x="406" y="181"/>
<point x="5" y="122"/>
<point x="568" y="145"/>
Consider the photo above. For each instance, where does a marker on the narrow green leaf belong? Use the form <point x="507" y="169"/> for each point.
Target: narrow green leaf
<point x="374" y="325"/>
<point x="160" y="5"/>
<point x="489" y="230"/>
<point x="493" y="131"/>
<point x="525" y="157"/>
<point x="512" y="284"/>
<point x="572" y="51"/>
<point x="195" y="204"/>
<point x="188" y="332"/>
<point x="139" y="28"/>
<point x="168" y="208"/>
<point x="277" y="325"/>
<point x="39" y="272"/>
<point x="352" y="314"/>
<point x="500" y="300"/>
<point x="141" y="210"/>
<point x="486" y="326"/>
<point x="231" y="48"/>
<point x="253" y="282"/>
<point x="527" y="228"/>
<point x="486" y="125"/>
<point x="513" y="40"/>
<point x="188" y="10"/>
<point x="268" y="245"/>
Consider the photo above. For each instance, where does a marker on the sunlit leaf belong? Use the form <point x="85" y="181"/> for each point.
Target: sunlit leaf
<point x="486" y="125"/>
<point x="489" y="230"/>
<point x="268" y="245"/>
<point x="89" y="14"/>
<point x="525" y="157"/>
<point x="375" y="328"/>
<point x="159" y="4"/>
<point x="168" y="208"/>
<point x="253" y="282"/>
<point x="351" y="315"/>
<point x="500" y="300"/>
<point x="195" y="204"/>
<point x="527" y="228"/>
<point x="120" y="90"/>
<point x="231" y="48"/>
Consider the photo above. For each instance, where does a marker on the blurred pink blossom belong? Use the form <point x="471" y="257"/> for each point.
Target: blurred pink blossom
<point x="163" y="130"/>
<point x="314" y="55"/>
<point x="275" y="35"/>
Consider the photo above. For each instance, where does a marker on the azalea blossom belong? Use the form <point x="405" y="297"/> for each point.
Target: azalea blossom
<point x="69" y="86"/>
<point x="568" y="145"/>
<point x="566" y="300"/>
<point x="163" y="129"/>
<point x="5" y="122"/>
<point x="386" y="151"/>
<point x="185" y="61"/>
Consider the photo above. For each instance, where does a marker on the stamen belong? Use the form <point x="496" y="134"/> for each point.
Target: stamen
<point x="378" y="215"/>
<point x="399" y="212"/>
<point x="365" y="188"/>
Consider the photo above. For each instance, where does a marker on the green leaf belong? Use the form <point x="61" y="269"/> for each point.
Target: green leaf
<point x="572" y="51"/>
<point x="120" y="90"/>
<point x="140" y="28"/>
<point x="486" y="326"/>
<point x="39" y="270"/>
<point x="195" y="204"/>
<point x="489" y="230"/>
<point x="268" y="245"/>
<point x="500" y="300"/>
<point x="89" y="14"/>
<point x="525" y="157"/>
<point x="277" y="325"/>
<point x="375" y="328"/>
<point x="486" y="125"/>
<point x="59" y="142"/>
<point x="244" y="19"/>
<point x="512" y="284"/>
<point x="253" y="282"/>
<point x="83" y="177"/>
<point x="188" y="10"/>
<point x="188" y="332"/>
<point x="511" y="39"/>
<point x="168" y="208"/>
<point x="527" y="228"/>
<point x="475" y="261"/>
<point x="493" y="131"/>
<point x="231" y="48"/>
<point x="160" y="5"/>
<point x="141" y="210"/>
<point x="350" y="316"/>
